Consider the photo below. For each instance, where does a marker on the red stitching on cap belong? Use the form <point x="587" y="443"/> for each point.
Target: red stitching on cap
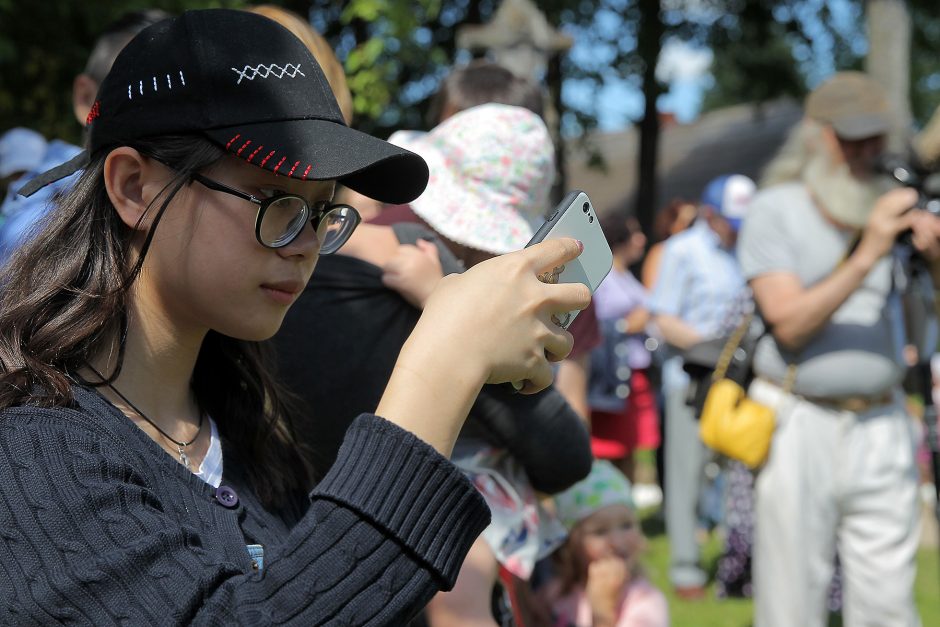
<point x="245" y="145"/>
<point x="291" y="173"/>
<point x="94" y="113"/>
<point x="306" y="172"/>
<point x="254" y="152"/>
<point x="231" y="141"/>
<point x="283" y="159"/>
<point x="265" y="160"/>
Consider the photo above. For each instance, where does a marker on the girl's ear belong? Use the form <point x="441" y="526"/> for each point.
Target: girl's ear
<point x="130" y="179"/>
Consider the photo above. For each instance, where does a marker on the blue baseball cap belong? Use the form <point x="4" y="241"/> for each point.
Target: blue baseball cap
<point x="730" y="195"/>
<point x="21" y="150"/>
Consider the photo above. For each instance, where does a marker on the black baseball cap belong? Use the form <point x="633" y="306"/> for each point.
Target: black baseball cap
<point x="250" y="86"/>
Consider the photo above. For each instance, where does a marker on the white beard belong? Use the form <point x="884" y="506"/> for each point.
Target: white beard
<point x="844" y="198"/>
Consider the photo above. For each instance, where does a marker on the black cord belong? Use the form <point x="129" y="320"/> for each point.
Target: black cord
<point x="144" y="416"/>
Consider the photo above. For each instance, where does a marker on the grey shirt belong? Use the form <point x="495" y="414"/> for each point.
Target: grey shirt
<point x="858" y="351"/>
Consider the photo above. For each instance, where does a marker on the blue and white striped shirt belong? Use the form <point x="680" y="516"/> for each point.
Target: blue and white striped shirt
<point x="699" y="281"/>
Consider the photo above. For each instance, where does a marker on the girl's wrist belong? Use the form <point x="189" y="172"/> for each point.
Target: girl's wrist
<point x="431" y="391"/>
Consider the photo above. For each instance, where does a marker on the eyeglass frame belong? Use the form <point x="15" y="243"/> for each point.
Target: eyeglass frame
<point x="263" y="203"/>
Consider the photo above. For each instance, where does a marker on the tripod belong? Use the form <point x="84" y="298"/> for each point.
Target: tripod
<point x="923" y="378"/>
<point x="922" y="323"/>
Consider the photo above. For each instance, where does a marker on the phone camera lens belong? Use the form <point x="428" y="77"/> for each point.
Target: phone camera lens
<point x="585" y="207"/>
<point x="590" y="218"/>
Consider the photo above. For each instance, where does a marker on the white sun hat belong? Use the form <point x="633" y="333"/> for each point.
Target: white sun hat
<point x="492" y="169"/>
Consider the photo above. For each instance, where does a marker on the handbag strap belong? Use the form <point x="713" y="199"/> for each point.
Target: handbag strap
<point x="724" y="360"/>
<point x="789" y="379"/>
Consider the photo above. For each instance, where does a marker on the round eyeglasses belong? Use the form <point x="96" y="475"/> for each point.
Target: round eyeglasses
<point x="282" y="217"/>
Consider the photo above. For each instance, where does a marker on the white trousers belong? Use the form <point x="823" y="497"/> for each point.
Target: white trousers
<point x="836" y="479"/>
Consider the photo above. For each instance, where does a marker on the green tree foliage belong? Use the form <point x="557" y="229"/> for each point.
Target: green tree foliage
<point x="753" y="54"/>
<point x="764" y="49"/>
<point x="925" y="59"/>
<point x="43" y="45"/>
<point x="397" y="51"/>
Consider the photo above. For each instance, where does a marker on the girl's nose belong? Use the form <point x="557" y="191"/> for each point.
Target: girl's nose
<point x="306" y="244"/>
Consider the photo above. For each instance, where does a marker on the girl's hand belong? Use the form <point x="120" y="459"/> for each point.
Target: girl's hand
<point x="606" y="580"/>
<point x="414" y="272"/>
<point x="491" y="324"/>
<point x="497" y="316"/>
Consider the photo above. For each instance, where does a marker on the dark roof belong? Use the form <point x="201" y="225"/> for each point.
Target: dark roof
<point x="739" y="139"/>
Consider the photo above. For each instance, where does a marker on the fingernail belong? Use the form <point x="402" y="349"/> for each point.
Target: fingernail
<point x="580" y="246"/>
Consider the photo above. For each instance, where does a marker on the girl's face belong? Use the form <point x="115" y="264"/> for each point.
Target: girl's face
<point x="206" y="270"/>
<point x="612" y="531"/>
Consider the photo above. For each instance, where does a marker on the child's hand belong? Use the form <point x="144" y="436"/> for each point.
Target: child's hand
<point x="414" y="272"/>
<point x="606" y="579"/>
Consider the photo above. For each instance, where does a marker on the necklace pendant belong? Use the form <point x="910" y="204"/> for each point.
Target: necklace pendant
<point x="184" y="458"/>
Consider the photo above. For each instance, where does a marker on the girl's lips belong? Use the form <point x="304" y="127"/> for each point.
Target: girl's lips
<point x="283" y="292"/>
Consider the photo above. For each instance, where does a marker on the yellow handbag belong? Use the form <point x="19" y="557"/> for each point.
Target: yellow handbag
<point x="731" y="423"/>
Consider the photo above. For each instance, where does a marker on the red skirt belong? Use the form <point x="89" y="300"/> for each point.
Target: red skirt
<point x="637" y="426"/>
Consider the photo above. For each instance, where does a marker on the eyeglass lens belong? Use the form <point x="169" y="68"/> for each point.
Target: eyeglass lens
<point x="286" y="217"/>
<point x="336" y="227"/>
<point x="283" y="220"/>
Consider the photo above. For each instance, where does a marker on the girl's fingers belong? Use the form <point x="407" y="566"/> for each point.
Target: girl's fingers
<point x="550" y="254"/>
<point x="565" y="297"/>
<point x="559" y="344"/>
<point x="540" y="378"/>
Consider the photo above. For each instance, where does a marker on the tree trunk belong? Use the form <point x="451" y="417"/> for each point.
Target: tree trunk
<point x="889" y="62"/>
<point x="554" y="108"/>
<point x="649" y="44"/>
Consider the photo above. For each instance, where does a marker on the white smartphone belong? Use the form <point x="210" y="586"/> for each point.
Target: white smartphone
<point x="575" y="217"/>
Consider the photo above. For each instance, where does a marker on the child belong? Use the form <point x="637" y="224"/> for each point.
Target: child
<point x="599" y="578"/>
<point x="148" y="472"/>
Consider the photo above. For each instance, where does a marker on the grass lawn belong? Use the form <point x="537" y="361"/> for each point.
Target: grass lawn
<point x="712" y="612"/>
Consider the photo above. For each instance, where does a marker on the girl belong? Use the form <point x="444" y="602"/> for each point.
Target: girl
<point x="147" y="470"/>
<point x="599" y="578"/>
<point x="623" y="403"/>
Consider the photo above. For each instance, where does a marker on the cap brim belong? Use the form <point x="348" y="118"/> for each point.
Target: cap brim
<point x="321" y="150"/>
<point x="734" y="223"/>
<point x="861" y="126"/>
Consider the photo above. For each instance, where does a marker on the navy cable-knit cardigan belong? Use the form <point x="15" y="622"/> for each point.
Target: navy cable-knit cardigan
<point x="99" y="526"/>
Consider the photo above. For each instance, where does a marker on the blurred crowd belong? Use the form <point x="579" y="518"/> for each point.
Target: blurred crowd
<point x="827" y="522"/>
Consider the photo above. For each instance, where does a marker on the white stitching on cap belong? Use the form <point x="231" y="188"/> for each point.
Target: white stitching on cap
<point x="263" y="71"/>
<point x="153" y="81"/>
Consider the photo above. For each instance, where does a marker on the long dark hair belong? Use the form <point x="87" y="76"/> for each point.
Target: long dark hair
<point x="64" y="299"/>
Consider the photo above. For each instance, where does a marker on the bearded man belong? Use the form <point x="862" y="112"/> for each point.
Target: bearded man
<point x="816" y="249"/>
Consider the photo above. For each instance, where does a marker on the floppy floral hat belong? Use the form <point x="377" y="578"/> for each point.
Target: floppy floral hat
<point x="491" y="171"/>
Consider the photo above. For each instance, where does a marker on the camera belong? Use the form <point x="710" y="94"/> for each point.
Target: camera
<point x="910" y="173"/>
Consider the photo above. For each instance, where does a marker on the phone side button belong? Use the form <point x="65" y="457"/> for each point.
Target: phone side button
<point x="553" y="216"/>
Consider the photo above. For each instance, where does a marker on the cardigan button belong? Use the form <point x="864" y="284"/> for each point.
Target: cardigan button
<point x="226" y="496"/>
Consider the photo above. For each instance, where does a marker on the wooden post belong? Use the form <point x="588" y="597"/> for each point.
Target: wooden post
<point x="520" y="39"/>
<point x="889" y="62"/>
